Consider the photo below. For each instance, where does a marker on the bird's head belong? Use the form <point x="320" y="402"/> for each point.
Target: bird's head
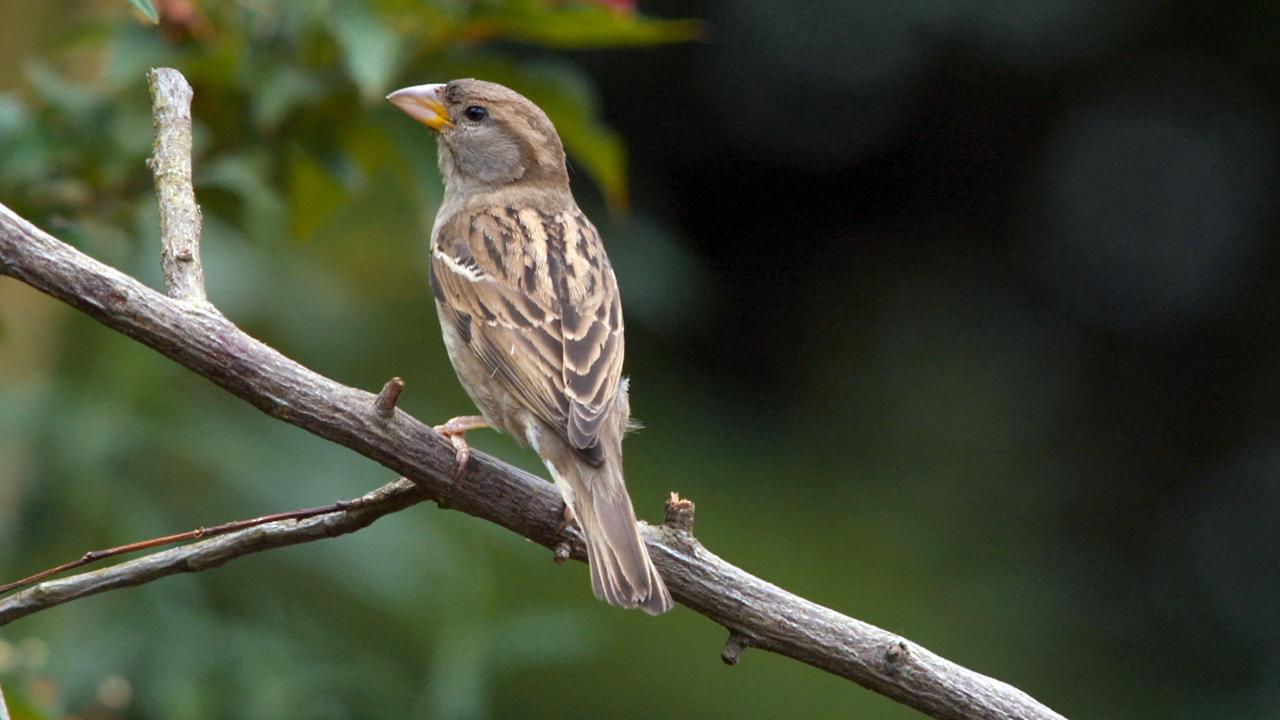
<point x="490" y="136"/>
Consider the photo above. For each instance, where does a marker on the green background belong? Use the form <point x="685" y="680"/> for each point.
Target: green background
<point x="957" y="318"/>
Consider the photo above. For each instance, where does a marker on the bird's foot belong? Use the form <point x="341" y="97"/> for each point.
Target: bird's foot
<point x="455" y="431"/>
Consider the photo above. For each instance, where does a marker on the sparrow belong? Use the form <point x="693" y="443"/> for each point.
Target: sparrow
<point x="531" y="316"/>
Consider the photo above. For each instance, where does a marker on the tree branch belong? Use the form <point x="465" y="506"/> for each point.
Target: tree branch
<point x="4" y="708"/>
<point x="198" y="534"/>
<point x="757" y="613"/>
<point x="211" y="553"/>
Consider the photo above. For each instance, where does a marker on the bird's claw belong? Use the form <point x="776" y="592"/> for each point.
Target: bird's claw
<point x="455" y="431"/>
<point x="461" y="453"/>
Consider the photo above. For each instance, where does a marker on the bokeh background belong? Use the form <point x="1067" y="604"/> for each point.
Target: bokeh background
<point x="959" y="318"/>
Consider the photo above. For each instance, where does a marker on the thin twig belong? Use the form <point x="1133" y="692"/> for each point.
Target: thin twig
<point x="171" y="164"/>
<point x="4" y="707"/>
<point x="386" y="400"/>
<point x="197" y="534"/>
<point x="211" y="553"/>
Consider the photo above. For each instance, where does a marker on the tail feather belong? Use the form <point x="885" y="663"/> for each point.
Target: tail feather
<point x="621" y="572"/>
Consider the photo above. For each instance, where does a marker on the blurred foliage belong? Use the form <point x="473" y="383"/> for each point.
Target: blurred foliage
<point x="148" y="10"/>
<point x="265" y="71"/>
<point x="958" y="318"/>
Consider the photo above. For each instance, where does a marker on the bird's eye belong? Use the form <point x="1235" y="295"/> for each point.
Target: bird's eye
<point x="475" y="113"/>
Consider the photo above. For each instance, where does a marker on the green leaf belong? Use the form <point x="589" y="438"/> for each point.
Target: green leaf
<point x="13" y="115"/>
<point x="147" y="9"/>
<point x="281" y="89"/>
<point x="578" y="26"/>
<point x="263" y="217"/>
<point x="131" y="51"/>
<point x="592" y="143"/>
<point x="78" y="101"/>
<point x="370" y="51"/>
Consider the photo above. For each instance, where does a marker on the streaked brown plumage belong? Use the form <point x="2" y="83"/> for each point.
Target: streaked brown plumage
<point x="530" y="312"/>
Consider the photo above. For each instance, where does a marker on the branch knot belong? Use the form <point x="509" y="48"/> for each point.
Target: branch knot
<point x="734" y="647"/>
<point x="679" y="515"/>
<point x="385" y="403"/>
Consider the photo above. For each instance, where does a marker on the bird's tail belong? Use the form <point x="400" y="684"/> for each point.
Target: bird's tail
<point x="621" y="572"/>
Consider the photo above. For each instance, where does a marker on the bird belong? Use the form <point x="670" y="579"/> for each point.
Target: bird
<point x="531" y="316"/>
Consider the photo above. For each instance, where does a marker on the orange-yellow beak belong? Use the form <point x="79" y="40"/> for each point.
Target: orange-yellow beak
<point x="422" y="103"/>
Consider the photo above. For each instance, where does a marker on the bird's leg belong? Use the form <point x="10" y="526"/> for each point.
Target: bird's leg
<point x="455" y="431"/>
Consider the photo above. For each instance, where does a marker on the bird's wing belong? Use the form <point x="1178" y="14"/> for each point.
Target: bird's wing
<point x="534" y="297"/>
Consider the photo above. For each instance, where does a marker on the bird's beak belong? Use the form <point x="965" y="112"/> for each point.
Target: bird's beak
<point x="422" y="103"/>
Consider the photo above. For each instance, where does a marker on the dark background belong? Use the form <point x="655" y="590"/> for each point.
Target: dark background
<point x="957" y="319"/>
